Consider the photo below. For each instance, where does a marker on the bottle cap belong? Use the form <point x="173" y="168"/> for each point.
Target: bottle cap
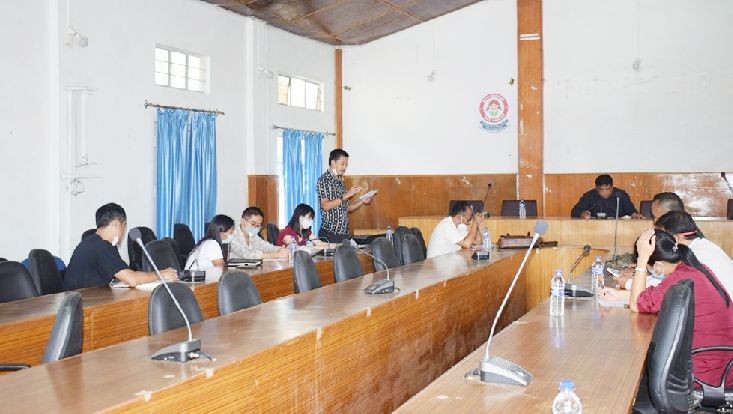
<point x="567" y="385"/>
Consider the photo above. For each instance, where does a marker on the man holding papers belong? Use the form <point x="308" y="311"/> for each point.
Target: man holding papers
<point x="335" y="201"/>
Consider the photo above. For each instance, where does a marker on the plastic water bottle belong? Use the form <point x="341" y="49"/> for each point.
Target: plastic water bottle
<point x="292" y="247"/>
<point x="522" y="210"/>
<point x="557" y="294"/>
<point x="486" y="239"/>
<point x="567" y="402"/>
<point x="596" y="271"/>
<point x="388" y="234"/>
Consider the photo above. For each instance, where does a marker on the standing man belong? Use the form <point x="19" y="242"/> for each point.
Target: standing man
<point x="601" y="201"/>
<point x="335" y="201"/>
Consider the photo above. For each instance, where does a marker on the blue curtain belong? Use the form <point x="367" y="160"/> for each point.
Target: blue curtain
<point x="302" y="165"/>
<point x="186" y="170"/>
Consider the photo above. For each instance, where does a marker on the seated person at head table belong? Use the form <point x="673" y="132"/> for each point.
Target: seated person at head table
<point x="713" y="317"/>
<point x="208" y="251"/>
<point x="96" y="260"/>
<point x="299" y="227"/>
<point x="455" y="232"/>
<point x="601" y="201"/>
<point x="247" y="244"/>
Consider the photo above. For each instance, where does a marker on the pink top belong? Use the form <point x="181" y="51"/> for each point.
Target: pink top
<point x="288" y="231"/>
<point x="713" y="320"/>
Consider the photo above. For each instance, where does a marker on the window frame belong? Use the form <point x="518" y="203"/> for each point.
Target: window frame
<point x="321" y="96"/>
<point x="204" y="69"/>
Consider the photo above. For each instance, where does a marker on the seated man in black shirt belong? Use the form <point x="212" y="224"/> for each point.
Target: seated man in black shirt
<point x="96" y="260"/>
<point x="601" y="201"/>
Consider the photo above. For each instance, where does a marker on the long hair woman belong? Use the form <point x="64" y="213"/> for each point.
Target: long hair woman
<point x="208" y="252"/>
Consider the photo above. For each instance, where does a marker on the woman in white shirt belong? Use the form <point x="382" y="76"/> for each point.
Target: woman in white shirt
<point x="208" y="252"/>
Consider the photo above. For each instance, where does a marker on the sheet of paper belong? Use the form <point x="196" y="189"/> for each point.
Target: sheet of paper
<point x="368" y="195"/>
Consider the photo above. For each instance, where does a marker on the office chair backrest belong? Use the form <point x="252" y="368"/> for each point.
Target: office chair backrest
<point x="88" y="233"/>
<point x="669" y="359"/>
<point x="477" y="205"/>
<point x="162" y="254"/>
<point x="398" y="240"/>
<point x="645" y="208"/>
<point x="510" y="208"/>
<point x="417" y="233"/>
<point x="305" y="275"/>
<point x="272" y="233"/>
<point x="172" y="242"/>
<point x="44" y="272"/>
<point x="183" y="236"/>
<point x="411" y="250"/>
<point x="236" y="291"/>
<point x="729" y="211"/>
<point x="162" y="312"/>
<point x="134" y="252"/>
<point x="384" y="251"/>
<point x="345" y="264"/>
<point x="15" y="282"/>
<point x="67" y="334"/>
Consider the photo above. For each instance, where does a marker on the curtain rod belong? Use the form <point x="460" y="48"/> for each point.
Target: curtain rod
<point x="304" y="130"/>
<point x="215" y="111"/>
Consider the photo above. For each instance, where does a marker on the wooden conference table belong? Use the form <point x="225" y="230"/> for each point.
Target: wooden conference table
<point x="602" y="349"/>
<point x="578" y="232"/>
<point x="334" y="349"/>
<point x="112" y="316"/>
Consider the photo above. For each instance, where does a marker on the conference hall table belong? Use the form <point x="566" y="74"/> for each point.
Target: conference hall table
<point x="112" y="316"/>
<point x="333" y="349"/>
<point x="602" y="349"/>
<point x="578" y="232"/>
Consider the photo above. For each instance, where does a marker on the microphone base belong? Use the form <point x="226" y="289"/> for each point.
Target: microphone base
<point x="380" y="287"/>
<point x="495" y="370"/>
<point x="328" y="252"/>
<point x="180" y="352"/>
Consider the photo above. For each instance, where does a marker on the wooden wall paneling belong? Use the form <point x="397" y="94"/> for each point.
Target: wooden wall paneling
<point x="531" y="111"/>
<point x="426" y="195"/>
<point x="704" y="194"/>
<point x="338" y="96"/>
<point x="263" y="193"/>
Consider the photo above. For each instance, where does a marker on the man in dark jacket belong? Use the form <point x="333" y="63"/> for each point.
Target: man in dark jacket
<point x="601" y="201"/>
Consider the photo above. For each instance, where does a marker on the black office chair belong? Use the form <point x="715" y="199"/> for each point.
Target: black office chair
<point x="305" y="274"/>
<point x="345" y="264"/>
<point x="477" y="205"/>
<point x="236" y="292"/>
<point x="398" y="240"/>
<point x="88" y="233"/>
<point x="15" y="282"/>
<point x="510" y="208"/>
<point x="66" y="337"/>
<point x="176" y="250"/>
<point x="384" y="251"/>
<point x="272" y="233"/>
<point x="417" y="233"/>
<point x="134" y="252"/>
<point x="645" y="208"/>
<point x="183" y="236"/>
<point x="44" y="273"/>
<point x="162" y="312"/>
<point x="729" y="211"/>
<point x="667" y="383"/>
<point x="2" y="259"/>
<point x="162" y="254"/>
<point x="411" y="250"/>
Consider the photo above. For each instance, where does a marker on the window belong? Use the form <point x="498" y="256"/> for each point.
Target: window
<point x="300" y="93"/>
<point x="181" y="70"/>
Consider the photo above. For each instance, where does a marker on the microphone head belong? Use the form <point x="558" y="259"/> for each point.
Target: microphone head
<point x="540" y="227"/>
<point x="586" y="249"/>
<point x="134" y="234"/>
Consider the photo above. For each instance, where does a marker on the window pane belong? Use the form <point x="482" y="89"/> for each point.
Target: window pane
<point x="297" y="92"/>
<point x="178" y="82"/>
<point x="161" y="54"/>
<point x="178" y="58"/>
<point x="196" y="74"/>
<point x="311" y="95"/>
<point x="283" y="89"/>
<point x="178" y="70"/>
<point x="194" y="61"/>
<point x="195" y="85"/>
<point x="161" y="79"/>
<point x="161" y="67"/>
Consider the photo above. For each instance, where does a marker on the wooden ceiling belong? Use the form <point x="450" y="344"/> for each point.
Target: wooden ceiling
<point x="343" y="22"/>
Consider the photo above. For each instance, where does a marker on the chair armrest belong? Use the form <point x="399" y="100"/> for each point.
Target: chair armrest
<point x="11" y="366"/>
<point x="711" y="349"/>
<point x="715" y="395"/>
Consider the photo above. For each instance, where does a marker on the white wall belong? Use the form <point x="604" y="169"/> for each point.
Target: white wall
<point x="396" y="121"/>
<point x="669" y="113"/>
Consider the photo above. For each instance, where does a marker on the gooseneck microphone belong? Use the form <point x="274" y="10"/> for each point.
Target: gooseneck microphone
<point x="182" y="351"/>
<point x="614" y="257"/>
<point x="327" y="250"/>
<point x="380" y="286"/>
<point x="723" y="176"/>
<point x="586" y="250"/>
<point x="493" y="369"/>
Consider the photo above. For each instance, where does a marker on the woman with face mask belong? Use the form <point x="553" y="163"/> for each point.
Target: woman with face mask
<point x="208" y="251"/>
<point x="299" y="228"/>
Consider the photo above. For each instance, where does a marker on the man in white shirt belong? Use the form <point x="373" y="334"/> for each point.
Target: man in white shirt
<point x="455" y="232"/>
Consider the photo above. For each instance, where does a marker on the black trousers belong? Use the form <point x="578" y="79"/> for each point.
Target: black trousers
<point x="332" y="237"/>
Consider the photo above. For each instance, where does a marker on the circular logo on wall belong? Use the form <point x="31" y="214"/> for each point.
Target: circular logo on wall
<point x="494" y="109"/>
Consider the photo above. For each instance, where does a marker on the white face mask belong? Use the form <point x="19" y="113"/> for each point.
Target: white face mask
<point x="228" y="239"/>
<point x="462" y="227"/>
<point x="115" y="240"/>
<point x="335" y="172"/>
<point x="305" y="223"/>
<point x="252" y="231"/>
